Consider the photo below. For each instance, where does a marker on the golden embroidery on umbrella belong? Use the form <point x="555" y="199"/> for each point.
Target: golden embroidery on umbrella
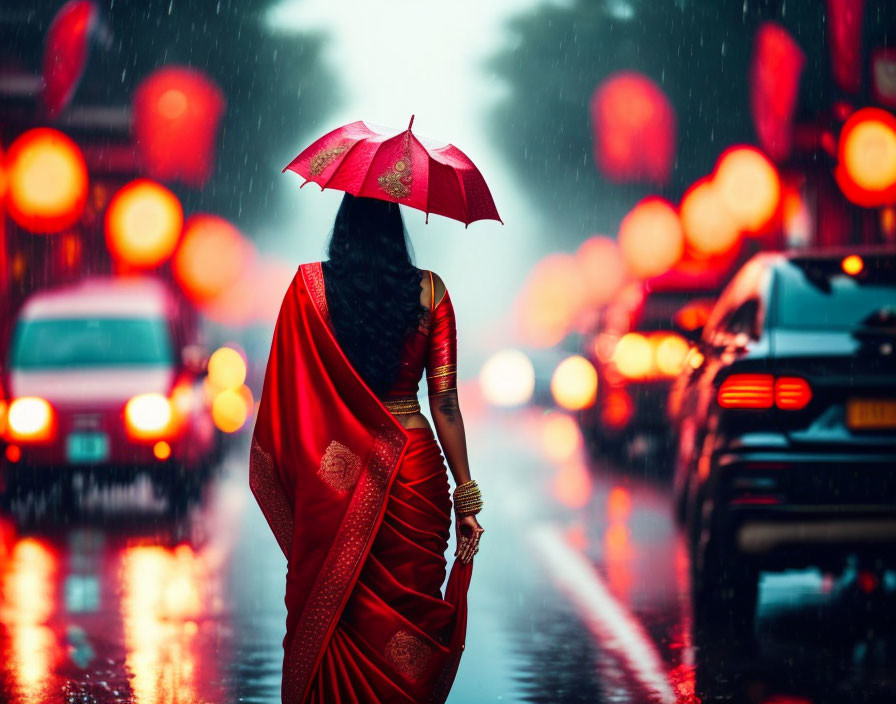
<point x="408" y="655"/>
<point x="339" y="467"/>
<point x="397" y="180"/>
<point x="324" y="158"/>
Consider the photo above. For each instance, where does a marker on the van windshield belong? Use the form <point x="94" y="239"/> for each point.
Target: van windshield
<point x="45" y="343"/>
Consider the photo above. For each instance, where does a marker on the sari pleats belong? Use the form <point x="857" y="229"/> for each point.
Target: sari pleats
<point x="398" y="639"/>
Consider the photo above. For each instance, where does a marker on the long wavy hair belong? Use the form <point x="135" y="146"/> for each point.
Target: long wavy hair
<point x="372" y="287"/>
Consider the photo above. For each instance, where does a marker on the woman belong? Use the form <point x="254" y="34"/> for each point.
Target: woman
<point x="349" y="475"/>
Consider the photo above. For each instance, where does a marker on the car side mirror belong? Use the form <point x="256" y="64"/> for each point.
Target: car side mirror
<point x="195" y="359"/>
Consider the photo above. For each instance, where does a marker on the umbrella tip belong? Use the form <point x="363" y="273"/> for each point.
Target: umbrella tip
<point x="411" y="123"/>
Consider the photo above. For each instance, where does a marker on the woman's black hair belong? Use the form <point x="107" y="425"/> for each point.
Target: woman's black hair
<point x="372" y="287"/>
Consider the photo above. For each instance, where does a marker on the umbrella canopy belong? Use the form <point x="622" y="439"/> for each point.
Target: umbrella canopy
<point x="399" y="166"/>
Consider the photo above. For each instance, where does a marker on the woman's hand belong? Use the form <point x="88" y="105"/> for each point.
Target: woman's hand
<point x="468" y="532"/>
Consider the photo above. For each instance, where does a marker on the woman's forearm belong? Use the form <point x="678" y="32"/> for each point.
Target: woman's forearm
<point x="449" y="424"/>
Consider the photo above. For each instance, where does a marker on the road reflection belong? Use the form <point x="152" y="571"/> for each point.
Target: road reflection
<point x="611" y="585"/>
<point x="126" y="605"/>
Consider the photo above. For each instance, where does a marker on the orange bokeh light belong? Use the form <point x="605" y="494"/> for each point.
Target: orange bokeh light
<point x="143" y="223"/>
<point x="551" y="300"/>
<point x="866" y="170"/>
<point x="212" y="256"/>
<point x="709" y="228"/>
<point x="852" y="265"/>
<point x="749" y="186"/>
<point x="651" y="238"/>
<point x="603" y="268"/>
<point x="47" y="181"/>
<point x="574" y="383"/>
<point x="561" y="438"/>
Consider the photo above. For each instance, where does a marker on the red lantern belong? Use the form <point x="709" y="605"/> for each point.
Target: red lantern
<point x="65" y="54"/>
<point x="866" y="155"/>
<point x="844" y="21"/>
<point x="774" y="87"/>
<point x="176" y="117"/>
<point x="634" y="129"/>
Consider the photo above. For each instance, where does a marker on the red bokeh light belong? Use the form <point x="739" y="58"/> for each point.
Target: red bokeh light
<point x="634" y="129"/>
<point x="651" y="238"/>
<point x="844" y="19"/>
<point x="774" y="88"/>
<point x="47" y="181"/>
<point x="176" y="116"/>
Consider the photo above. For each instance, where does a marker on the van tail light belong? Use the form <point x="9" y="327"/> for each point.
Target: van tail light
<point x="747" y="391"/>
<point x="792" y="393"/>
<point x="789" y="393"/>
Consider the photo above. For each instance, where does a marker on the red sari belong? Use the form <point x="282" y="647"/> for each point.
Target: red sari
<point x="361" y="509"/>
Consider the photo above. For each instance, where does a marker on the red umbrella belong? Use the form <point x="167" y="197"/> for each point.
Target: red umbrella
<point x="398" y="166"/>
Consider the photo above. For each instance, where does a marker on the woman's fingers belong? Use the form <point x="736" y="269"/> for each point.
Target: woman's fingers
<point x="471" y="547"/>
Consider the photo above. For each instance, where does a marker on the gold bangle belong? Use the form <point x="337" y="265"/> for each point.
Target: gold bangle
<point x="467" y="499"/>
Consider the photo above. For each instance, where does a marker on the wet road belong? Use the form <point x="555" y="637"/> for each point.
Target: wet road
<point x="580" y="594"/>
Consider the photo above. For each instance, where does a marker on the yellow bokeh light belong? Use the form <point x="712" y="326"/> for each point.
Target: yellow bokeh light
<point x="229" y="410"/>
<point x="574" y="383"/>
<point x="507" y="378"/>
<point x="670" y="353"/>
<point x="226" y="368"/>
<point x="633" y="356"/>
<point x="143" y="223"/>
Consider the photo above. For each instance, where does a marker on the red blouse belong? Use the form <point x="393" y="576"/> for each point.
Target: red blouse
<point x="433" y="346"/>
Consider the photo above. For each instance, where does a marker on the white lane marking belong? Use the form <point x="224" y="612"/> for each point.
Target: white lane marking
<point x="608" y="619"/>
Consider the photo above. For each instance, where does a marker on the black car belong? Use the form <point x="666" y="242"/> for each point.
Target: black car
<point x="786" y="423"/>
<point x="638" y="348"/>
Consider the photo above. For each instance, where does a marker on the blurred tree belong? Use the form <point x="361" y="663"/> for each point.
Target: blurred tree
<point x="698" y="51"/>
<point x="275" y="85"/>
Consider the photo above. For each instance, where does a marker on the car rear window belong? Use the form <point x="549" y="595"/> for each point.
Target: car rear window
<point x="816" y="295"/>
<point x="90" y="342"/>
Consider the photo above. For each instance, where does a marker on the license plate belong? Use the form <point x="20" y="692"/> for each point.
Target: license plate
<point x="87" y="447"/>
<point x="871" y="414"/>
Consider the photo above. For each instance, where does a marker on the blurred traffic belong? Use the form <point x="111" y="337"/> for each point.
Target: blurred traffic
<point x="677" y="363"/>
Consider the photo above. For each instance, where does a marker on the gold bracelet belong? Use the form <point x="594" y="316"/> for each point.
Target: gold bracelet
<point x="467" y="499"/>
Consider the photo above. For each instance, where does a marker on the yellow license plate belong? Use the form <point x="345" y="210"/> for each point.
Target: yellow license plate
<point x="870" y="414"/>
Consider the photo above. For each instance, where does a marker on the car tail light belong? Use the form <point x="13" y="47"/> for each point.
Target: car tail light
<point x="747" y="391"/>
<point x="792" y="393"/>
<point x="148" y="415"/>
<point x="617" y="409"/>
<point x="30" y="418"/>
<point x="789" y="393"/>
